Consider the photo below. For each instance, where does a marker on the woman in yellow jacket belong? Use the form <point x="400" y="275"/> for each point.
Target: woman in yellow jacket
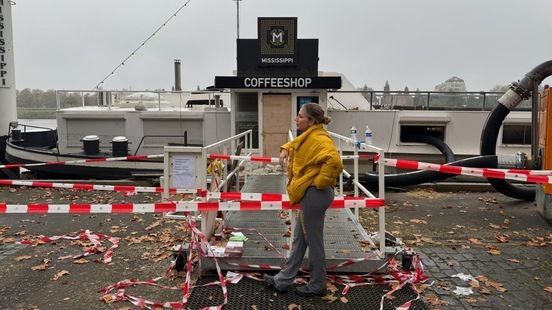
<point x="314" y="164"/>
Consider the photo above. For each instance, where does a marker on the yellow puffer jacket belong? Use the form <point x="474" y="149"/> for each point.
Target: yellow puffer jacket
<point x="313" y="160"/>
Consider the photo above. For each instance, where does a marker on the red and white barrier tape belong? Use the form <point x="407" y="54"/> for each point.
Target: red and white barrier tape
<point x="86" y="235"/>
<point x="82" y="161"/>
<point x="185" y="206"/>
<point x="99" y="187"/>
<point x="477" y="172"/>
<point x="534" y="176"/>
<point x="197" y="237"/>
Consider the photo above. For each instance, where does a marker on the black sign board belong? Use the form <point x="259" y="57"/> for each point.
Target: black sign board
<point x="313" y="82"/>
<point x="277" y="38"/>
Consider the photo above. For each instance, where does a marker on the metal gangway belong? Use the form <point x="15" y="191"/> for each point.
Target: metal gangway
<point x="268" y="229"/>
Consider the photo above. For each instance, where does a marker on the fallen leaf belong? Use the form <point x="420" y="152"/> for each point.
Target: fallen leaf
<point x="60" y="274"/>
<point x="329" y="298"/>
<point x="294" y="307"/>
<point x="502" y="238"/>
<point x="285" y="246"/>
<point x="470" y="300"/>
<point x="22" y="257"/>
<point x="152" y="226"/>
<point x="39" y="267"/>
<point x="513" y="260"/>
<point x="435" y="301"/>
<point x="344" y="300"/>
<point x="80" y="261"/>
<point x="475" y="241"/>
<point x="494" y="252"/>
<point x="484" y="290"/>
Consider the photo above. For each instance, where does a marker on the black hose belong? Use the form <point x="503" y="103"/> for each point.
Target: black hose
<point x="488" y="147"/>
<point x="509" y="101"/>
<point x="422" y="137"/>
<point x="417" y="177"/>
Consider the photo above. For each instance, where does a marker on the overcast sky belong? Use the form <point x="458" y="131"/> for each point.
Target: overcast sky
<point x="74" y="44"/>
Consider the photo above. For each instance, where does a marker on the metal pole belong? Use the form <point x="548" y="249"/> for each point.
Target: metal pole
<point x="534" y="125"/>
<point x="238" y="18"/>
<point x="371" y="100"/>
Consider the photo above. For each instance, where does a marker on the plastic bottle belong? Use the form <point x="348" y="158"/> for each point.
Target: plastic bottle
<point x="368" y="136"/>
<point x="354" y="134"/>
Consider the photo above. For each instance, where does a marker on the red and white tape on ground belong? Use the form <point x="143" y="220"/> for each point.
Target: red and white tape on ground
<point x="82" y="161"/>
<point x="185" y="206"/>
<point x="197" y="237"/>
<point x="86" y="235"/>
<point x="477" y="172"/>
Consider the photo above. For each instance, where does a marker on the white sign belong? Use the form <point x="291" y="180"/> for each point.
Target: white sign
<point x="5" y="22"/>
<point x="183" y="169"/>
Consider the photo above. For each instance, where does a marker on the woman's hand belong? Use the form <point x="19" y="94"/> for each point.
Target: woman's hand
<point x="284" y="156"/>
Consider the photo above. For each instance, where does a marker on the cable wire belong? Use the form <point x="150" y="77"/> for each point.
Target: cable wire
<point x="141" y="45"/>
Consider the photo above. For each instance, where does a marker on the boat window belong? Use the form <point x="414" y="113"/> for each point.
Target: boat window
<point x="516" y="134"/>
<point x="409" y="132"/>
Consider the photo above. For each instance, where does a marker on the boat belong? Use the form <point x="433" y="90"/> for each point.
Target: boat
<point x="143" y="122"/>
<point x="121" y="124"/>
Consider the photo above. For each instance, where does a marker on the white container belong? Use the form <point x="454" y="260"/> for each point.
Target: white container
<point x="354" y="134"/>
<point x="368" y="135"/>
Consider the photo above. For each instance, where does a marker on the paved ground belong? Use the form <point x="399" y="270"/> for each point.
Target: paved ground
<point x="504" y="243"/>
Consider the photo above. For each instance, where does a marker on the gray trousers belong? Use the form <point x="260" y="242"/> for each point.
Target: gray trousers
<point x="313" y="207"/>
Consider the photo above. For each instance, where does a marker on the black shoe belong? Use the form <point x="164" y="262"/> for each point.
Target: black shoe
<point x="305" y="292"/>
<point x="271" y="283"/>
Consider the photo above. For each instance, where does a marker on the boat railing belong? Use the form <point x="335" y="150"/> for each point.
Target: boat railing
<point x="416" y="100"/>
<point x="43" y="137"/>
<point x="184" y="140"/>
<point x="151" y="100"/>
<point x="237" y="143"/>
<point x="345" y="144"/>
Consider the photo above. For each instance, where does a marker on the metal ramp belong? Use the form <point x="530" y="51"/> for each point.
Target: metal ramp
<point x="342" y="235"/>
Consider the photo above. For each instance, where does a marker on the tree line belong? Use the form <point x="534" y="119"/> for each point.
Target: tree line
<point x="37" y="98"/>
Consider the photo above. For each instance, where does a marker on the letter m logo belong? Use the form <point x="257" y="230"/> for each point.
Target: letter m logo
<point x="277" y="37"/>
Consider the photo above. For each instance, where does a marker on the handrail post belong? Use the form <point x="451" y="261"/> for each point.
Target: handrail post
<point x="371" y="100"/>
<point x="381" y="194"/>
<point x="428" y="98"/>
<point x="341" y="174"/>
<point x="355" y="171"/>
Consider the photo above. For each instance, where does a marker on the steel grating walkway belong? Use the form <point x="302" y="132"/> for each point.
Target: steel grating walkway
<point x="250" y="294"/>
<point x="342" y="234"/>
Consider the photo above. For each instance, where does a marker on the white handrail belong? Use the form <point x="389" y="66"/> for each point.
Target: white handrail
<point x="381" y="179"/>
